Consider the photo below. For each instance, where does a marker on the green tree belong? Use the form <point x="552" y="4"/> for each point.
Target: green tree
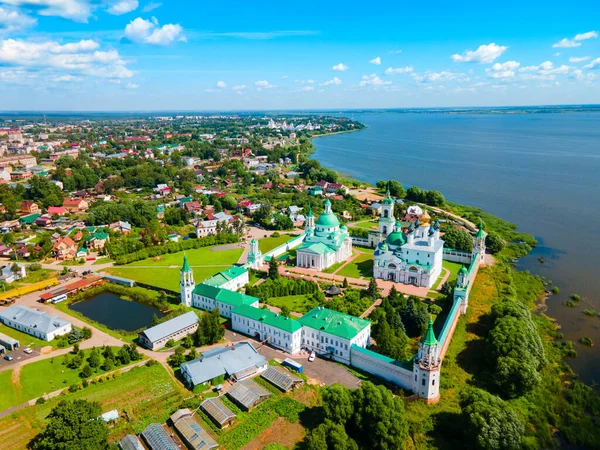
<point x="490" y="422"/>
<point x="345" y="283"/>
<point x="273" y="268"/>
<point x="73" y="425"/>
<point x="396" y="189"/>
<point x="123" y="355"/>
<point x="493" y="242"/>
<point x="94" y="360"/>
<point x="371" y="290"/>
<point x="458" y="239"/>
<point x="414" y="316"/>
<point x="285" y="311"/>
<point x="86" y="372"/>
<point x="337" y="403"/>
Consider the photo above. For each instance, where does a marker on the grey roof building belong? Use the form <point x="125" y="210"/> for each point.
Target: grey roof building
<point x="176" y="328"/>
<point x="238" y="361"/>
<point x="192" y="433"/>
<point x="34" y="322"/>
<point x="131" y="442"/>
<point x="248" y="394"/>
<point x="218" y="412"/>
<point x="8" y="342"/>
<point x="157" y="438"/>
<point x="281" y="378"/>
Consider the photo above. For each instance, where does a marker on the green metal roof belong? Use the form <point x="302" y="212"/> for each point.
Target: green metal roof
<point x="462" y="269"/>
<point x="388" y="200"/>
<point x="268" y="318"/>
<point x="29" y="219"/>
<point x="223" y="277"/>
<point x="429" y="338"/>
<point x="186" y="265"/>
<point x="328" y="220"/>
<point x="480" y="234"/>
<point x="318" y="248"/>
<point x="223" y="295"/>
<point x="334" y="322"/>
<point x="396" y="238"/>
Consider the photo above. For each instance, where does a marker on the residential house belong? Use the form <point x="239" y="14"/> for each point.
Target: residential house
<point x="29" y="208"/>
<point x="57" y="210"/>
<point x="65" y="248"/>
<point x="193" y="207"/>
<point x="43" y="221"/>
<point x="75" y="205"/>
<point x="12" y="272"/>
<point x="96" y="240"/>
<point x="5" y="250"/>
<point x="332" y="188"/>
<point x="123" y="227"/>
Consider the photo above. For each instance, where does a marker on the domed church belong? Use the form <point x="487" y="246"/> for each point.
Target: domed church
<point x="325" y="242"/>
<point x="411" y="258"/>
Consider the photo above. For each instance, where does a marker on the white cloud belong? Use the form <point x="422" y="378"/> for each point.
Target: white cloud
<point x="263" y="84"/>
<point x="434" y="77"/>
<point x="335" y="81"/>
<point x="285" y="77"/>
<point x="392" y="70"/>
<point x="485" y="54"/>
<point x="13" y="20"/>
<point x="503" y="70"/>
<point x="341" y="67"/>
<point x="307" y="88"/>
<point x="395" y="52"/>
<point x="586" y="36"/>
<point x="593" y="65"/>
<point x="132" y="86"/>
<point x="373" y="80"/>
<point x="66" y="78"/>
<point x="77" y="10"/>
<point x="122" y="7"/>
<point x="80" y="57"/>
<point x="151" y="6"/>
<point x="566" y="43"/>
<point x="240" y="87"/>
<point x="545" y="71"/>
<point x="221" y="84"/>
<point x="149" y="32"/>
<point x="376" y="61"/>
<point x="578" y="60"/>
<point x="556" y="54"/>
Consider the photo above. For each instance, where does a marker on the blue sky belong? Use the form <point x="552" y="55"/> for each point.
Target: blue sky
<point x="196" y="55"/>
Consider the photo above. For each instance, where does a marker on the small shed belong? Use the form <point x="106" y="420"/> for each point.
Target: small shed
<point x="218" y="412"/>
<point x="333" y="290"/>
<point x="248" y="394"/>
<point x="281" y="378"/>
<point x="110" y="415"/>
<point x="8" y="342"/>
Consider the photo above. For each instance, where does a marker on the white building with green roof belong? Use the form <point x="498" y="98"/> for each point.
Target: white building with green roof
<point x="332" y="333"/>
<point x="207" y="297"/>
<point x="325" y="242"/>
<point x="264" y="325"/>
<point x="232" y="279"/>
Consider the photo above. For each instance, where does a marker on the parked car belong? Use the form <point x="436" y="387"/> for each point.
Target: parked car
<point x="312" y="356"/>
<point x="28" y="350"/>
<point x="8" y="357"/>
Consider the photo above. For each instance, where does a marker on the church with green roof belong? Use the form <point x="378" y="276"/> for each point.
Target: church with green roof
<point x="325" y="242"/>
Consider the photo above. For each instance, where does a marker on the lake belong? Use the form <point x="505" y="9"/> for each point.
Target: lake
<point x="540" y="171"/>
<point x="116" y="313"/>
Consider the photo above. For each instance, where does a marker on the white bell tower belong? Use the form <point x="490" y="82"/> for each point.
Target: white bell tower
<point x="479" y="244"/>
<point x="426" y="383"/>
<point x="186" y="282"/>
<point x="255" y="256"/>
<point x="387" y="219"/>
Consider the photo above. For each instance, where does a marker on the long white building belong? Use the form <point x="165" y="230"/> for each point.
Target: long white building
<point x="36" y="323"/>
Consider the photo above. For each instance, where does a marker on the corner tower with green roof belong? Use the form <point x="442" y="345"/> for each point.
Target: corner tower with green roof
<point x="427" y="367"/>
<point x="479" y="243"/>
<point x="186" y="282"/>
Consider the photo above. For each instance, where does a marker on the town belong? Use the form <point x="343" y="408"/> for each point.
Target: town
<point x="205" y="281"/>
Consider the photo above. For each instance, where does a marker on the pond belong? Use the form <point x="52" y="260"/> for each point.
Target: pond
<point x="116" y="313"/>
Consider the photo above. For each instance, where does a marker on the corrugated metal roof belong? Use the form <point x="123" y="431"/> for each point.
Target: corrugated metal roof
<point x="169" y="327"/>
<point x="280" y="378"/>
<point x="30" y="318"/>
<point x="131" y="442"/>
<point x="217" y="410"/>
<point x="194" y="435"/>
<point x="248" y="394"/>
<point x="157" y="438"/>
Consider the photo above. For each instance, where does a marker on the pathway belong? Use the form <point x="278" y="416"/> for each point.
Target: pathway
<point x="447" y="274"/>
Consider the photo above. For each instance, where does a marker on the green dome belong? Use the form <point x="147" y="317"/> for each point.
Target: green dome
<point x="396" y="238"/>
<point x="388" y="201"/>
<point x="328" y="220"/>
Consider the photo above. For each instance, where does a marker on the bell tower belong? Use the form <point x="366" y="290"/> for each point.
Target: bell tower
<point x="186" y="282"/>
<point x="310" y="219"/>
<point x="426" y="382"/>
<point x="255" y="256"/>
<point x="479" y="244"/>
<point x="387" y="219"/>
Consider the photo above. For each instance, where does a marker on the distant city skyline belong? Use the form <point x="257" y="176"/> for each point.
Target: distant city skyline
<point x="135" y="55"/>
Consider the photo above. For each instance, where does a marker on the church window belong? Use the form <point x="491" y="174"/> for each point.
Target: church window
<point x="423" y="382"/>
<point x="415" y="377"/>
<point x="433" y="382"/>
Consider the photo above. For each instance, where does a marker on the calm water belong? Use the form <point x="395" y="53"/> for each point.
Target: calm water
<point x="540" y="171"/>
<point x="116" y="313"/>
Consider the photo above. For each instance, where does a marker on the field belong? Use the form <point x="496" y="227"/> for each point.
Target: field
<point x="163" y="271"/>
<point x="296" y="303"/>
<point x="36" y="379"/>
<point x="361" y="266"/>
<point x="204" y="256"/>
<point x="34" y="277"/>
<point x="147" y="394"/>
<point x="267" y="244"/>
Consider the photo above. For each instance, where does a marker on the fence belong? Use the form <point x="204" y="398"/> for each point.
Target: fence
<point x="17" y="292"/>
<point x="286" y="246"/>
<point x="457" y="256"/>
<point x="389" y="369"/>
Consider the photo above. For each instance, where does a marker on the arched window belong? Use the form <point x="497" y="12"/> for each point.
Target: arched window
<point x="384" y="229"/>
<point x="385" y="213"/>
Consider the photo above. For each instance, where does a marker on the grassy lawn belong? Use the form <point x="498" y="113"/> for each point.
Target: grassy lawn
<point x="75" y="262"/>
<point x="453" y="268"/>
<point x="267" y="244"/>
<point x="364" y="250"/>
<point x="196" y="257"/>
<point x="162" y="277"/>
<point x="102" y="261"/>
<point x="361" y="266"/>
<point x="25" y="339"/>
<point x="296" y="303"/>
<point x="34" y="277"/>
<point x="147" y="394"/>
<point x="367" y="224"/>
<point x="335" y="267"/>
<point x="253" y="277"/>
<point x="40" y="378"/>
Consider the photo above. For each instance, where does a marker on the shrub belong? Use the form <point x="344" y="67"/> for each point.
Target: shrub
<point x="555" y="290"/>
<point x="586" y="341"/>
<point x="575" y="297"/>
